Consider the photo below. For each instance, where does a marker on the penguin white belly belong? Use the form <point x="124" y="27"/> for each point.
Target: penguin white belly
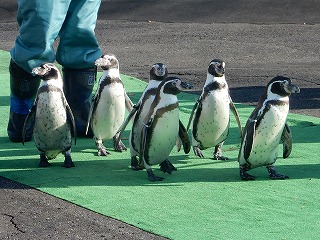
<point x="267" y="137"/>
<point x="51" y="130"/>
<point x="213" y="124"/>
<point x="163" y="137"/>
<point x="110" y="112"/>
<point x="135" y="133"/>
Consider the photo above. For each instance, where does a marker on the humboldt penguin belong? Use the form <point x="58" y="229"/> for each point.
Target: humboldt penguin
<point x="265" y="128"/>
<point x="108" y="105"/>
<point x="160" y="126"/>
<point x="52" y="117"/>
<point x="211" y="122"/>
<point x="158" y="73"/>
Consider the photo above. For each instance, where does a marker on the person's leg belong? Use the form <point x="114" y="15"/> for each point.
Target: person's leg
<point x="77" y="51"/>
<point x="40" y="22"/>
<point x="23" y="88"/>
<point x="78" y="85"/>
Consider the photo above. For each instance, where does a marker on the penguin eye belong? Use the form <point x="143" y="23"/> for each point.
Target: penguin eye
<point x="174" y="83"/>
<point x="285" y="82"/>
<point x="47" y="67"/>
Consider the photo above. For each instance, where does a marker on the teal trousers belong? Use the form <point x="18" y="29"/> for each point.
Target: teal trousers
<point x="41" y="22"/>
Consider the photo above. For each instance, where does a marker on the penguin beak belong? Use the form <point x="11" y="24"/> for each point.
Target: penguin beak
<point x="161" y="72"/>
<point x="103" y="62"/>
<point x="221" y="70"/>
<point x="36" y="71"/>
<point x="186" y="86"/>
<point x="41" y="71"/>
<point x="293" y="88"/>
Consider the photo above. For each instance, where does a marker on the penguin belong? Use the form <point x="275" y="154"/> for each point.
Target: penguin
<point x="160" y="126"/>
<point x="210" y="126"/>
<point x="108" y="105"/>
<point x="265" y="128"/>
<point x="52" y="117"/>
<point x="158" y="73"/>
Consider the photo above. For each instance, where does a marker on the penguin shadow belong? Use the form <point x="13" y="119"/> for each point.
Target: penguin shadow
<point x="20" y="162"/>
<point x="16" y="156"/>
<point x="6" y="183"/>
<point x="304" y="131"/>
<point x="308" y="98"/>
<point x="246" y="95"/>
<point x="194" y="169"/>
<point x="300" y="171"/>
<point x="114" y="170"/>
<point x="228" y="171"/>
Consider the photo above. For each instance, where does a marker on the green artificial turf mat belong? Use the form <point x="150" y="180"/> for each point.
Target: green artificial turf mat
<point x="204" y="199"/>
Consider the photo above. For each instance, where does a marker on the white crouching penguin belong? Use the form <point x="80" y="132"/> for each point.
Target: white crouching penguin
<point x="161" y="125"/>
<point x="265" y="128"/>
<point x="158" y="73"/>
<point x="52" y="117"/>
<point x="210" y="125"/>
<point x="108" y="105"/>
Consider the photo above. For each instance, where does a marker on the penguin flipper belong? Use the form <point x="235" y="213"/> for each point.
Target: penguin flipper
<point x="70" y="119"/>
<point x="143" y="142"/>
<point x="236" y="114"/>
<point x="192" y="112"/>
<point x="286" y="139"/>
<point x="128" y="102"/>
<point x="29" y="121"/>
<point x="125" y="123"/>
<point x="183" y="135"/>
<point x="249" y="135"/>
<point x="94" y="102"/>
<point x="89" y="119"/>
<point x="151" y="176"/>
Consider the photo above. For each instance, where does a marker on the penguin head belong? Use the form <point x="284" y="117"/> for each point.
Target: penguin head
<point x="174" y="85"/>
<point x="216" y="68"/>
<point x="107" y="62"/>
<point x="47" y="71"/>
<point x="158" y="72"/>
<point x="281" y="86"/>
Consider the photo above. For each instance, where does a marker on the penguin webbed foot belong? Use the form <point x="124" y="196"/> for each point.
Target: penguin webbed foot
<point x="152" y="177"/>
<point x="167" y="166"/>
<point x="245" y="176"/>
<point x="68" y="163"/>
<point x="219" y="157"/>
<point x="198" y="152"/>
<point x="135" y="164"/>
<point x="118" y="145"/>
<point x="102" y="151"/>
<point x="43" y="161"/>
<point x="217" y="154"/>
<point x="274" y="175"/>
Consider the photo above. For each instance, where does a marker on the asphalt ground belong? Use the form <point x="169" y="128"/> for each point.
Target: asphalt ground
<point x="258" y="39"/>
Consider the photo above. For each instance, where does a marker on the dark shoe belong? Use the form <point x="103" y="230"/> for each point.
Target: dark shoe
<point x="15" y="126"/>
